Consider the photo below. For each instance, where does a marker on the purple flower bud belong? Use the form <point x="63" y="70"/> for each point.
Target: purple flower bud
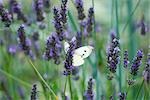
<point x="126" y="59"/>
<point x="21" y="92"/>
<point x="34" y="92"/>
<point x="90" y="21"/>
<point x="35" y="38"/>
<point x="5" y="16"/>
<point x="24" y="42"/>
<point x="89" y="95"/>
<point x="12" y="49"/>
<point x="122" y="96"/>
<point x="130" y="81"/>
<point x="63" y="12"/>
<point x="47" y="5"/>
<point x="136" y="62"/>
<point x="79" y="39"/>
<point x="39" y="10"/>
<point x="146" y="72"/>
<point x="1" y="42"/>
<point x="112" y="34"/>
<point x="68" y="62"/>
<point x="80" y="9"/>
<point x="16" y="8"/>
<point x="53" y="48"/>
<point x="113" y="55"/>
<point x="58" y="24"/>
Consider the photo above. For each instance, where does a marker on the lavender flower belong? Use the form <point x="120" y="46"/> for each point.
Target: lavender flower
<point x="5" y="16"/>
<point x="1" y="42"/>
<point x="12" y="49"/>
<point x="143" y="26"/>
<point x="65" y="97"/>
<point x="146" y="73"/>
<point x="136" y="62"/>
<point x="89" y="95"/>
<point x="47" y="5"/>
<point x="35" y="39"/>
<point x="126" y="59"/>
<point x="21" y="92"/>
<point x="112" y="34"/>
<point x="24" y="43"/>
<point x="63" y="12"/>
<point x="83" y="26"/>
<point x="16" y="8"/>
<point x="34" y="92"/>
<point x="22" y="40"/>
<point x="130" y="81"/>
<point x="75" y="73"/>
<point x="68" y="62"/>
<point x="57" y="24"/>
<point x="90" y="20"/>
<point x="39" y="10"/>
<point x="113" y="55"/>
<point x="79" y="39"/>
<point x="143" y="30"/>
<point x="53" y="48"/>
<point x="111" y="98"/>
<point x="80" y="9"/>
<point x="122" y="96"/>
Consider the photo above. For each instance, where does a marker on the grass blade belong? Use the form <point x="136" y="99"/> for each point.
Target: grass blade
<point x="41" y="78"/>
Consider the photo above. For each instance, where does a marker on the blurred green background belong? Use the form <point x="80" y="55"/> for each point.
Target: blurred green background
<point x="17" y="75"/>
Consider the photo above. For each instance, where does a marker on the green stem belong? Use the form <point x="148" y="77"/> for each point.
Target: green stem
<point x="112" y="18"/>
<point x="41" y="78"/>
<point x="70" y="87"/>
<point x="128" y="89"/>
<point x="132" y="13"/>
<point x="72" y="21"/>
<point x="117" y="18"/>
<point x="95" y="72"/>
<point x="15" y="78"/>
<point x="65" y="86"/>
<point x="139" y="90"/>
<point x="118" y="36"/>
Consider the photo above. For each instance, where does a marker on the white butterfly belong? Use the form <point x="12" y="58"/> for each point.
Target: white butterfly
<point x="79" y="54"/>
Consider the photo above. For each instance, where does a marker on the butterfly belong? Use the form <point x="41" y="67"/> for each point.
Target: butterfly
<point x="79" y="54"/>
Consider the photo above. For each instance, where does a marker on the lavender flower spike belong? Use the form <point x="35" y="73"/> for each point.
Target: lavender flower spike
<point x="34" y="92"/>
<point x="69" y="58"/>
<point x="24" y="43"/>
<point x="122" y="95"/>
<point x="136" y="62"/>
<point x="16" y="8"/>
<point x="47" y="5"/>
<point x="89" y="95"/>
<point x="35" y="40"/>
<point x="63" y="12"/>
<point x="90" y="20"/>
<point x="53" y="48"/>
<point x="126" y="59"/>
<point x="58" y="24"/>
<point x="113" y="55"/>
<point x="39" y="10"/>
<point x="146" y="73"/>
<point x="5" y="16"/>
<point x="80" y="9"/>
<point x="12" y="49"/>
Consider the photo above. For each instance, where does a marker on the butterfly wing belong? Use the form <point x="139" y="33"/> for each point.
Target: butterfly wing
<point x="77" y="60"/>
<point x="84" y="51"/>
<point x="66" y="46"/>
